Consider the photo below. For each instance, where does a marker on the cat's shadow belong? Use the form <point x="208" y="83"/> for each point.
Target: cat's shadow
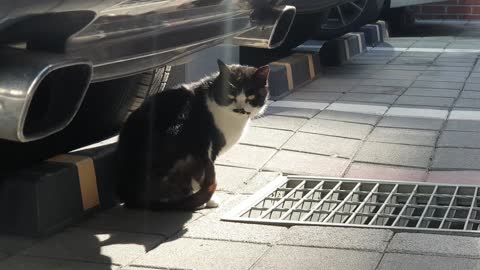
<point x="120" y="236"/>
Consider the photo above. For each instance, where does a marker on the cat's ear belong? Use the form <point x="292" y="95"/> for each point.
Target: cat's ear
<point x="261" y="75"/>
<point x="222" y="67"/>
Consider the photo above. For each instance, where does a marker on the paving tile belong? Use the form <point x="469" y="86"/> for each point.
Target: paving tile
<point x="431" y="92"/>
<point x="413" y="61"/>
<point x="337" y="237"/>
<point x="454" y="177"/>
<point x="403" y="136"/>
<point x="473" y="79"/>
<point x="467" y="103"/>
<point x="203" y="255"/>
<point x="395" y="154"/>
<point x="352" y="117"/>
<point x="393" y="75"/>
<point x="232" y="179"/>
<point x="258" y="182"/>
<point x="148" y="268"/>
<point x="303" y="163"/>
<point x="470" y="94"/>
<point x="279" y="122"/>
<point x="425" y="101"/>
<point x="323" y="145"/>
<point x="141" y="221"/>
<point x="445" y="58"/>
<point x="314" y="96"/>
<point x="99" y="247"/>
<point x="464" y="114"/>
<point x="291" y="112"/>
<point x="438" y="85"/>
<point x="442" y="78"/>
<point x="387" y="90"/>
<point x="472" y="87"/>
<point x="337" y="128"/>
<point x="373" y="109"/>
<point x="246" y="156"/>
<point x="27" y="263"/>
<point x="335" y="88"/>
<point x="303" y="258"/>
<point x="395" y="261"/>
<point x="406" y="67"/>
<point x="454" y="158"/>
<point x="421" y="54"/>
<point x="11" y="244"/>
<point x="300" y="104"/>
<point x="375" y="171"/>
<point x="215" y="229"/>
<point x="266" y="137"/>
<point x="367" y="61"/>
<point x="448" y="68"/>
<point x="428" y="244"/>
<point x="452" y="64"/>
<point x="334" y="81"/>
<point x="417" y="112"/>
<point x="374" y="98"/>
<point x="459" y="139"/>
<point x="439" y="73"/>
<point x="411" y="122"/>
<point x="379" y="82"/>
<point x="463" y="125"/>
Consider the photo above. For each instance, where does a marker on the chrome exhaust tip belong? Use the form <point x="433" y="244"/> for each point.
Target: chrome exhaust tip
<point x="40" y="93"/>
<point x="272" y="27"/>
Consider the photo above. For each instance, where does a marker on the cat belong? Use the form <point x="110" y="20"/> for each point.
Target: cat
<point x="168" y="146"/>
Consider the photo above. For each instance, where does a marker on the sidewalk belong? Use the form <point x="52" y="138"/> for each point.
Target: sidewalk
<point x="407" y="110"/>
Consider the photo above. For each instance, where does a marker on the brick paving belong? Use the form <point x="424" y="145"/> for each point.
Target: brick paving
<point x="406" y="110"/>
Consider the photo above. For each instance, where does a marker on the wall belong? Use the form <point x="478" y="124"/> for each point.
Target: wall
<point x="451" y="9"/>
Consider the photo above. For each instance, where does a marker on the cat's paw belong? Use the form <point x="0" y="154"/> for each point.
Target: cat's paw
<point x="203" y="206"/>
<point x="214" y="202"/>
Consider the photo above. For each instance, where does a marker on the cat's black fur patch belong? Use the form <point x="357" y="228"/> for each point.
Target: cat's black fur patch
<point x="172" y="137"/>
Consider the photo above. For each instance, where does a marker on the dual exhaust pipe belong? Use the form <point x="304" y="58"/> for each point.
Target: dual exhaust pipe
<point x="40" y="93"/>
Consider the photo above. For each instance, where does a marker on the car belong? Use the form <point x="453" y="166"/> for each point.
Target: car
<point x="72" y="71"/>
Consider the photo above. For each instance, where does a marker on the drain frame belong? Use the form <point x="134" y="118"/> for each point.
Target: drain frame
<point x="435" y="207"/>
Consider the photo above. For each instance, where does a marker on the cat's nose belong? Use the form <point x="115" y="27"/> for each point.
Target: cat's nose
<point x="240" y="100"/>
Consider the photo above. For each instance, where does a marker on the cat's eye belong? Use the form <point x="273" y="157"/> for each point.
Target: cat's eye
<point x="251" y="97"/>
<point x="231" y="97"/>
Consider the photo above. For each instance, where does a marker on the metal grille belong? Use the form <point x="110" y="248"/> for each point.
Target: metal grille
<point x="363" y="203"/>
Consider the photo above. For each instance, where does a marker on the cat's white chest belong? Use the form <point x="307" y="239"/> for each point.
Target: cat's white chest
<point x="231" y="124"/>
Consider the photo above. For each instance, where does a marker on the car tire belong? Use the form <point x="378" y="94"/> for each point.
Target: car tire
<point x="370" y="13"/>
<point x="104" y="109"/>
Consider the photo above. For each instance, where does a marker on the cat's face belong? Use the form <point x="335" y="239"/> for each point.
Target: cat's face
<point x="242" y="90"/>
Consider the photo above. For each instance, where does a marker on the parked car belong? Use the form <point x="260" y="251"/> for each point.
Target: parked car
<point x="72" y="71"/>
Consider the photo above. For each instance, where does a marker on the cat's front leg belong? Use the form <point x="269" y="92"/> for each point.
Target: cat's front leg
<point x="213" y="202"/>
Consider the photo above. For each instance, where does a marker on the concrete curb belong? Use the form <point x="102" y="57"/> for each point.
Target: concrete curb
<point x="58" y="192"/>
<point x="293" y="71"/>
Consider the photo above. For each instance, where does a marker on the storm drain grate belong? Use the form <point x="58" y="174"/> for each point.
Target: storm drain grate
<point x="298" y="200"/>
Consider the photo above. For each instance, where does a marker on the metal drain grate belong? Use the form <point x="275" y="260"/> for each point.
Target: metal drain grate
<point x="348" y="202"/>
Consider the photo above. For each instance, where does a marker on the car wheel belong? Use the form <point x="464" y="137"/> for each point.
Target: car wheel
<point x="101" y="115"/>
<point x="349" y="16"/>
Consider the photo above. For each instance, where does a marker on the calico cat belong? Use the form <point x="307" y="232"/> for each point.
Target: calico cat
<point x="167" y="147"/>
